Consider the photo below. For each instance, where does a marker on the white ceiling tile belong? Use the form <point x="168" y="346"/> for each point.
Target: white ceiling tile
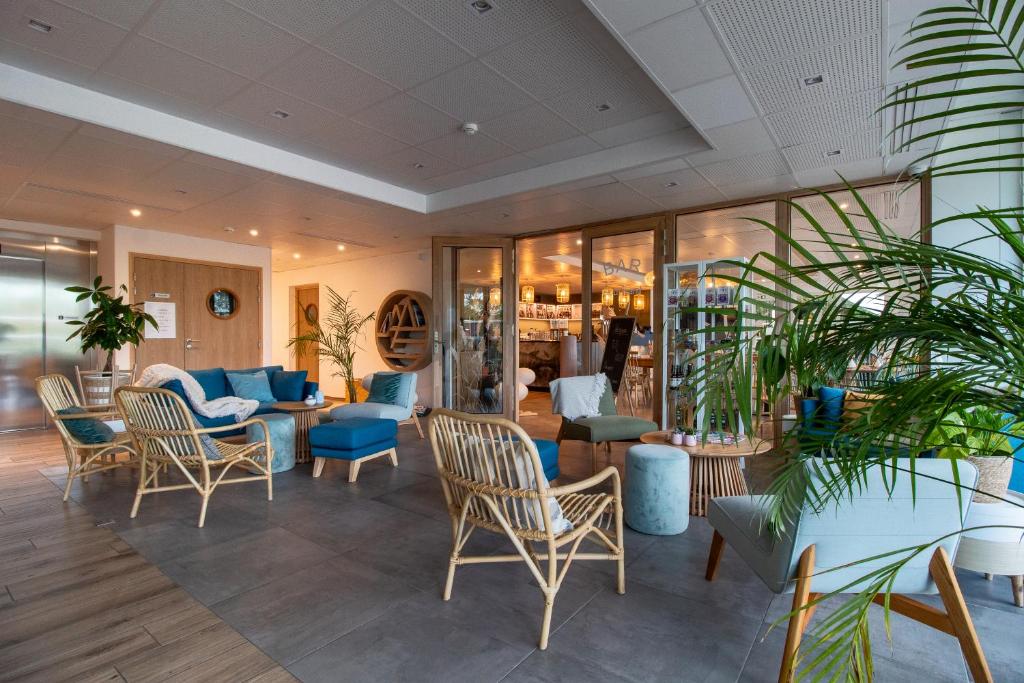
<point x="411" y="163"/>
<point x="246" y="129"/>
<point x="731" y="171"/>
<point x="652" y="169"/>
<point x="354" y="141"/>
<point x="407" y="119"/>
<point x="323" y="79"/>
<point x="566" y="149"/>
<point x="603" y="39"/>
<point x="49" y="212"/>
<point x="258" y="102"/>
<point x="158" y="67"/>
<point x="681" y="50"/>
<point x="716" y="103"/>
<point x="11" y="179"/>
<point x="27" y="143"/>
<point x="17" y="111"/>
<point x="629" y="16"/>
<point x="553" y="61"/>
<point x="467" y="150"/>
<point x="629" y="96"/>
<point x="690" y="198"/>
<point x="763" y="31"/>
<point x="124" y="142"/>
<point x="104" y="151"/>
<point x="760" y="186"/>
<point x="395" y="45"/>
<point x="851" y="66"/>
<point x="481" y="33"/>
<point x="44" y="63"/>
<point x="734" y="140"/>
<point x="75" y="37"/>
<point x="224" y="165"/>
<point x="221" y="34"/>
<point x="123" y="13"/>
<point x="139" y="94"/>
<point x="308" y="19"/>
<point x="614" y="196"/>
<point x="826" y="121"/>
<point x="639" y="129"/>
<point x="472" y="92"/>
<point x="492" y="169"/>
<point x="668" y="184"/>
<point x="858" y="147"/>
<point x="818" y="177"/>
<point x="195" y="179"/>
<point x="529" y="128"/>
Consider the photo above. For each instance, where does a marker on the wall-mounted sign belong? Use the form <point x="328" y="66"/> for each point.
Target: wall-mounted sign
<point x="164" y="314"/>
<point x="161" y="295"/>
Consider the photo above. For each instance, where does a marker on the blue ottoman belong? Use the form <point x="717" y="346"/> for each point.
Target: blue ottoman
<point x="282" y="439"/>
<point x="657" y="491"/>
<point x="355" y="439"/>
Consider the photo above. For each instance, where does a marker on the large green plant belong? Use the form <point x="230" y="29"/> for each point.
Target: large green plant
<point x="948" y="320"/>
<point x="110" y="323"/>
<point x="335" y="336"/>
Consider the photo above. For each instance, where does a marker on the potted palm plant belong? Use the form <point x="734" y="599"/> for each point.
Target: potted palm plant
<point x="336" y="337"/>
<point x="982" y="436"/>
<point x="110" y="324"/>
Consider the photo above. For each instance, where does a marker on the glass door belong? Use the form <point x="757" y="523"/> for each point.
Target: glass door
<point x="474" y="322"/>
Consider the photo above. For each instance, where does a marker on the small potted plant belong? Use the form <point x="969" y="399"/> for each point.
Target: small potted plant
<point x="676" y="437"/>
<point x="689" y="437"/>
<point x="982" y="437"/>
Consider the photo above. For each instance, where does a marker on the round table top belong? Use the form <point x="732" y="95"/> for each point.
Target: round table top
<point x="299" y="406"/>
<point x="745" y="448"/>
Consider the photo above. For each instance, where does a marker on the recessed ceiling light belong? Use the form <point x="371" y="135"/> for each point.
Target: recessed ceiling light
<point x="341" y="247"/>
<point x="479" y="271"/>
<point x="469" y="128"/>
<point x="135" y="212"/>
<point x="419" y="165"/>
<point x="254" y="232"/>
<point x="228" y="228"/>
<point x="814" y="80"/>
<point x="843" y="205"/>
<point x="280" y="114"/>
<point x="37" y="25"/>
<point x="834" y="153"/>
<point x="306" y="218"/>
<point x="579" y="241"/>
<point x="296" y="255"/>
<point x="505" y="215"/>
<point x="671" y="183"/>
<point x="604" y="106"/>
<point x="56" y="240"/>
<point x="481" y="6"/>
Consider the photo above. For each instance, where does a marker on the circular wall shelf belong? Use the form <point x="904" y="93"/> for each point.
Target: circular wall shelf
<point x="404" y="330"/>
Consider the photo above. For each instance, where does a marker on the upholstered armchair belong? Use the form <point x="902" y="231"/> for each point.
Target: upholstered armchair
<point x="821" y="550"/>
<point x="404" y="413"/>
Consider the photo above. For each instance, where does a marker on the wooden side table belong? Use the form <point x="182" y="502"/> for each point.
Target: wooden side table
<point x="995" y="551"/>
<point x="714" y="468"/>
<point x="305" y="419"/>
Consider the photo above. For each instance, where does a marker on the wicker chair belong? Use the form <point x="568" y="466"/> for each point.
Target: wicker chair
<point x="57" y="393"/>
<point x="167" y="434"/>
<point x="493" y="480"/>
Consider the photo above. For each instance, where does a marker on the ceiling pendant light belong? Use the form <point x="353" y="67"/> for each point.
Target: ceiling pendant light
<point x="639" y="301"/>
<point x="527" y="294"/>
<point x="608" y="297"/>
<point x="623" y="299"/>
<point x="562" y="292"/>
<point x="494" y="297"/>
<point x="649" y="278"/>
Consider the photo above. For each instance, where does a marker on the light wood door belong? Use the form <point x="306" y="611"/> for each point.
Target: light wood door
<point x="307" y="302"/>
<point x="160" y="281"/>
<point x="217" y="336"/>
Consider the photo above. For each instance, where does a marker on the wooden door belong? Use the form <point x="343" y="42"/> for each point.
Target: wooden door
<point x="160" y="281"/>
<point x="222" y="317"/>
<point x="307" y="301"/>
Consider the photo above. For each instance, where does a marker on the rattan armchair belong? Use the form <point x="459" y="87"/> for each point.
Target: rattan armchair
<point x="493" y="480"/>
<point x="167" y="435"/>
<point x="57" y="393"/>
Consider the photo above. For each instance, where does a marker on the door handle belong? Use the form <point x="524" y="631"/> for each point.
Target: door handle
<point x="189" y="342"/>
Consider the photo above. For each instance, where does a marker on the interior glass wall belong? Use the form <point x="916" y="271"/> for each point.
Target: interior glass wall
<point x="477" y="338"/>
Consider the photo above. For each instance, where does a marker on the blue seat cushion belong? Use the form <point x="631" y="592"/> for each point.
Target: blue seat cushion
<point x="288" y="385"/>
<point x="354" y="453"/>
<point x="548" y="452"/>
<point x="88" y="429"/>
<point x="353" y="433"/>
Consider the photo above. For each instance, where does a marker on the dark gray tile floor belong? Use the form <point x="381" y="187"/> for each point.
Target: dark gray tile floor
<point x="342" y="582"/>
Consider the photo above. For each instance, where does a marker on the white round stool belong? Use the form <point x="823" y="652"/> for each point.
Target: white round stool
<point x="995" y="551"/>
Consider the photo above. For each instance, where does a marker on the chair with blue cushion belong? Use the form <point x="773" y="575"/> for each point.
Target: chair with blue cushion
<point x="355" y="439"/>
<point x="394" y="398"/>
<point x="882" y="518"/>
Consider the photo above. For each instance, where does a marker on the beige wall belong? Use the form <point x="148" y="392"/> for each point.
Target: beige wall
<point x="369" y="280"/>
<point x="118" y="242"/>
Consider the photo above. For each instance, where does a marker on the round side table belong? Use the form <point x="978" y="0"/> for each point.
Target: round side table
<point x="714" y="468"/>
<point x="995" y="551"/>
<point x="305" y="419"/>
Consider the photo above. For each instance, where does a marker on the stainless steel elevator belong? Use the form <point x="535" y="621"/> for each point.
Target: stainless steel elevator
<point x="34" y="270"/>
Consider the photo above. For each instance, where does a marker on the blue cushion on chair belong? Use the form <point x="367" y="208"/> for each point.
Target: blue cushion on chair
<point x="88" y="429"/>
<point x="255" y="387"/>
<point x="288" y="385"/>
<point x="830" y="409"/>
<point x="213" y="381"/>
<point x="548" y="452"/>
<point x="390" y="388"/>
<point x="353" y="433"/>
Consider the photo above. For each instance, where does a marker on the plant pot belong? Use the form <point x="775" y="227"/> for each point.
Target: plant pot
<point x="690" y="440"/>
<point x="993" y="477"/>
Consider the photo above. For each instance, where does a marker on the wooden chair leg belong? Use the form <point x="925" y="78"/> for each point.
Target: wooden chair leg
<point x="353" y="471"/>
<point x="416" y="421"/>
<point x="593" y="458"/>
<point x="798" y="620"/>
<point x="318" y="466"/>
<point x="1017" y="582"/>
<point x="960" y="619"/>
<point x="715" y="556"/>
<point x="202" y="510"/>
<point x="561" y="434"/>
<point x="393" y="454"/>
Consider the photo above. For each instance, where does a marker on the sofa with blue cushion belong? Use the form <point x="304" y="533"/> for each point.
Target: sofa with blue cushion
<point x="215" y="384"/>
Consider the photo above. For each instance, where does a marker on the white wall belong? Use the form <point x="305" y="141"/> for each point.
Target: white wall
<point x="118" y="242"/>
<point x="369" y="280"/>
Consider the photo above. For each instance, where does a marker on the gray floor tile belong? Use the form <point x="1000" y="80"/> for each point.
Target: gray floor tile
<point x="1000" y="634"/>
<point x="425" y="498"/>
<point x="376" y="477"/>
<point x="996" y="593"/>
<point x="353" y="523"/>
<point x="175" y="538"/>
<point x="554" y="667"/>
<point x="292" y="616"/>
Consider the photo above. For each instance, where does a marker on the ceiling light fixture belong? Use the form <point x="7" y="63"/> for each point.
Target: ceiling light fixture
<point x="469" y="128"/>
<point x="296" y="255"/>
<point x="481" y="6"/>
<point x="135" y="212"/>
<point x="604" y="106"/>
<point x="844" y="206"/>
<point x="579" y="242"/>
<point x="341" y="247"/>
<point x="181" y="192"/>
<point x="228" y="228"/>
<point x="833" y="153"/>
<point x="814" y="80"/>
<point x="254" y="232"/>
<point x="562" y="292"/>
<point x="671" y="183"/>
<point x="37" y="25"/>
<point x="527" y="295"/>
<point x="419" y="165"/>
<point x="280" y="114"/>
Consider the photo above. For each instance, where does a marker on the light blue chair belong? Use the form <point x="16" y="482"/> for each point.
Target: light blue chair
<point x="402" y="414"/>
<point x="876" y="520"/>
<point x="657" y="489"/>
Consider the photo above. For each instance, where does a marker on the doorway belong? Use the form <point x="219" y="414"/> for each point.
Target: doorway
<point x="306" y="312"/>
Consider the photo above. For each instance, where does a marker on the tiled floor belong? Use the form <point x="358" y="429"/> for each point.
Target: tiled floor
<point x="342" y="582"/>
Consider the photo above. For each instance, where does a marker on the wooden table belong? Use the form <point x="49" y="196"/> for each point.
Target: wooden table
<point x="305" y="419"/>
<point x="714" y="468"/>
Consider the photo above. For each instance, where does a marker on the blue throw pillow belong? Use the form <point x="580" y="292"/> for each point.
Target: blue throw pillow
<point x="86" y="430"/>
<point x="210" y="449"/>
<point x="831" y="410"/>
<point x="391" y="388"/>
<point x="255" y="387"/>
<point x="214" y="383"/>
<point x="288" y="385"/>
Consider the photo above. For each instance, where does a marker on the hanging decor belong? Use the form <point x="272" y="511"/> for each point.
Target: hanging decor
<point x="649" y="278"/>
<point x="527" y="294"/>
<point x="494" y="297"/>
<point x="623" y="299"/>
<point x="639" y="301"/>
<point x="608" y="297"/>
<point x="562" y="292"/>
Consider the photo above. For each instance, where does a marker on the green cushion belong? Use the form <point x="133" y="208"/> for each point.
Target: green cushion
<point x="87" y="430"/>
<point x="607" y="404"/>
<point x="608" y="428"/>
<point x="255" y="386"/>
<point x="389" y="388"/>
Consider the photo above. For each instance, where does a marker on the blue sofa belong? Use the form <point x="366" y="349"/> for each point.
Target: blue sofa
<point x="215" y="383"/>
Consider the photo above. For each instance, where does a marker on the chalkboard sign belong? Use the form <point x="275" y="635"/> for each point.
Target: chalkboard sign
<point x="616" y="349"/>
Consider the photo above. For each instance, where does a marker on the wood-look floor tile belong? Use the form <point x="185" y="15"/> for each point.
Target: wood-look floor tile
<point x="239" y="664"/>
<point x="94" y="654"/>
<point x="106" y="564"/>
<point x="184" y="623"/>
<point x="164" y="661"/>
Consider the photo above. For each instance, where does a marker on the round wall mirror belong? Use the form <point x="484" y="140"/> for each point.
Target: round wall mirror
<point x="222" y="303"/>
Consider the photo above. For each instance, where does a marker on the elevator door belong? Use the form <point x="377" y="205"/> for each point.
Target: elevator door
<point x="21" y="341"/>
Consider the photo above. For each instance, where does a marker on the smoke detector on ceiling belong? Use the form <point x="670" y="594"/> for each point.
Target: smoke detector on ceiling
<point x="469" y="128"/>
<point x="481" y="6"/>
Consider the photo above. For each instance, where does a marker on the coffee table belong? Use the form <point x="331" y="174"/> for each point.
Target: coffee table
<point x="305" y="419"/>
<point x="714" y="468"/>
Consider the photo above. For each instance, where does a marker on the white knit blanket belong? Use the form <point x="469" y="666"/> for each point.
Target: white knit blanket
<point x="162" y="373"/>
<point x="573" y="397"/>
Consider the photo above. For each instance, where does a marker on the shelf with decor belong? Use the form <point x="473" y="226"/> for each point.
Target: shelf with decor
<point x="403" y="331"/>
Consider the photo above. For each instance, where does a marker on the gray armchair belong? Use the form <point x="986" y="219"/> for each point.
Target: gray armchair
<point x="875" y="521"/>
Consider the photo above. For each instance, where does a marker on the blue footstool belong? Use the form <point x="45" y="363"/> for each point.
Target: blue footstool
<point x="282" y="439"/>
<point x="657" y="490"/>
<point x="355" y="439"/>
